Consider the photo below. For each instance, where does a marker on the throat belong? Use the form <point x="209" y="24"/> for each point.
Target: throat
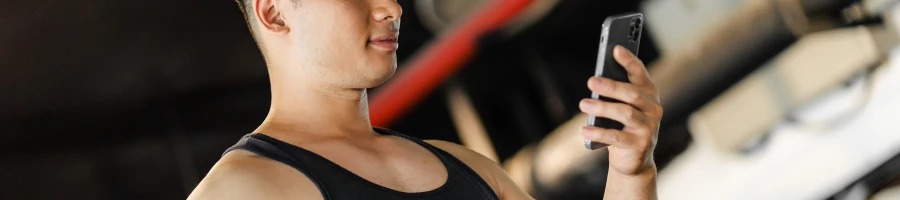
<point x="318" y="112"/>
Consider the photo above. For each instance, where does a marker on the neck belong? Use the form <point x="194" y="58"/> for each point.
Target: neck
<point x="311" y="111"/>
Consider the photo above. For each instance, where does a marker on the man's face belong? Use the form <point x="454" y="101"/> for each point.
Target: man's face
<point x="343" y="43"/>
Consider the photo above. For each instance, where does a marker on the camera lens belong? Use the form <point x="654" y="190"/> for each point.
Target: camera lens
<point x="635" y="29"/>
<point x="633" y="36"/>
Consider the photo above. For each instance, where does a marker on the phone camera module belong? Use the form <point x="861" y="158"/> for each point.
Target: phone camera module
<point x="634" y="30"/>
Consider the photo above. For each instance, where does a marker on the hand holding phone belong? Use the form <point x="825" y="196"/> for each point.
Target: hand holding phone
<point x="632" y="103"/>
<point x="623" y="30"/>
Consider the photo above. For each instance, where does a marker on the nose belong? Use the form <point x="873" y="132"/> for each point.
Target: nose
<point x="386" y="11"/>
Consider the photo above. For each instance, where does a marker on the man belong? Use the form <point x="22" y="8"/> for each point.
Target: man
<point x="317" y="141"/>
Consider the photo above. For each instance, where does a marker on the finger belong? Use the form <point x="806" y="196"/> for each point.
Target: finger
<point x="635" y="67"/>
<point x="621" y="91"/>
<point x="625" y="114"/>
<point x="617" y="138"/>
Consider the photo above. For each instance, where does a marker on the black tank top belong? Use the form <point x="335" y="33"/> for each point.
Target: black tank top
<point x="337" y="183"/>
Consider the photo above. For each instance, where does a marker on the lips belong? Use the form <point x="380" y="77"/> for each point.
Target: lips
<point x="387" y="42"/>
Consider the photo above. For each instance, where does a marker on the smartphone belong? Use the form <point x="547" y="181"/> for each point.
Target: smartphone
<point x="624" y="30"/>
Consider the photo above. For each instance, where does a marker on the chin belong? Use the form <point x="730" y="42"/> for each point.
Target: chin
<point x="377" y="70"/>
<point x="373" y="78"/>
<point x="379" y="78"/>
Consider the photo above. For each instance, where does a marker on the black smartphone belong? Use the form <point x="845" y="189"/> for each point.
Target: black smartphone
<point x="624" y="30"/>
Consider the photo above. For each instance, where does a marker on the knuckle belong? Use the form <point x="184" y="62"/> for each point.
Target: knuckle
<point x="644" y="119"/>
<point x="598" y="108"/>
<point x="642" y="145"/>
<point x="631" y="63"/>
<point x="612" y="136"/>
<point x="637" y="63"/>
<point x="653" y="90"/>
<point x="642" y="129"/>
<point x="607" y="87"/>
<point x="630" y="114"/>
<point x="601" y="135"/>
<point x="597" y="135"/>
<point x="646" y="130"/>
<point x="633" y="96"/>
<point x="631" y="60"/>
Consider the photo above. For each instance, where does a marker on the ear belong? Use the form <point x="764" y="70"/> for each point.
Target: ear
<point x="269" y="16"/>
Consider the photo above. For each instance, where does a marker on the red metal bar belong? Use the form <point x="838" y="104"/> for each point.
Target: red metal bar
<point x="439" y="61"/>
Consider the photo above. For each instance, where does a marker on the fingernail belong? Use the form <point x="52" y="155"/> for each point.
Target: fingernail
<point x="620" y="50"/>
<point x="586" y="103"/>
<point x="595" y="80"/>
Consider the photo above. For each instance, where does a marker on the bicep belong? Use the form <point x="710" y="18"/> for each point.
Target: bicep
<point x="489" y="170"/>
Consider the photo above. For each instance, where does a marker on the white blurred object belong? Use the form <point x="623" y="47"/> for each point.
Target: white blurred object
<point x="814" y="65"/>
<point x="800" y="160"/>
<point x="797" y="162"/>
<point x="674" y="24"/>
<point x="876" y="7"/>
<point x="867" y="9"/>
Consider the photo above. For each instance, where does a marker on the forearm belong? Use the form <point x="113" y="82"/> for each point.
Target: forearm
<point x="632" y="172"/>
<point x="641" y="186"/>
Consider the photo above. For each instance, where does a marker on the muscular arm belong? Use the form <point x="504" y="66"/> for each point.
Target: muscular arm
<point x="489" y="170"/>
<point x="632" y="171"/>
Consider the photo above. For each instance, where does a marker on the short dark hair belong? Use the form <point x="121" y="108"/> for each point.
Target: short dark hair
<point x="246" y="7"/>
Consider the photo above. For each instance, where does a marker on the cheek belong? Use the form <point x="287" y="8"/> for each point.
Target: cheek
<point x="330" y="33"/>
<point x="342" y="28"/>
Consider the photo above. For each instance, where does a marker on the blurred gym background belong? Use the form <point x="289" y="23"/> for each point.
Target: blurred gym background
<point x="764" y="99"/>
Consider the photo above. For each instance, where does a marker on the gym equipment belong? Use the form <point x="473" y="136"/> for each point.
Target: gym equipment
<point x="811" y="67"/>
<point x="756" y="31"/>
<point x="433" y="65"/>
<point x="798" y="159"/>
<point x="438" y="15"/>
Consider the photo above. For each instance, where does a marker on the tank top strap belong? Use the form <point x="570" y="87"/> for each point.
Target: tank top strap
<point x="258" y="145"/>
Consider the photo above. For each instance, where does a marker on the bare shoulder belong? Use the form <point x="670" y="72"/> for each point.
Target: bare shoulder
<point x="245" y="175"/>
<point x="489" y="170"/>
<point x="471" y="158"/>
